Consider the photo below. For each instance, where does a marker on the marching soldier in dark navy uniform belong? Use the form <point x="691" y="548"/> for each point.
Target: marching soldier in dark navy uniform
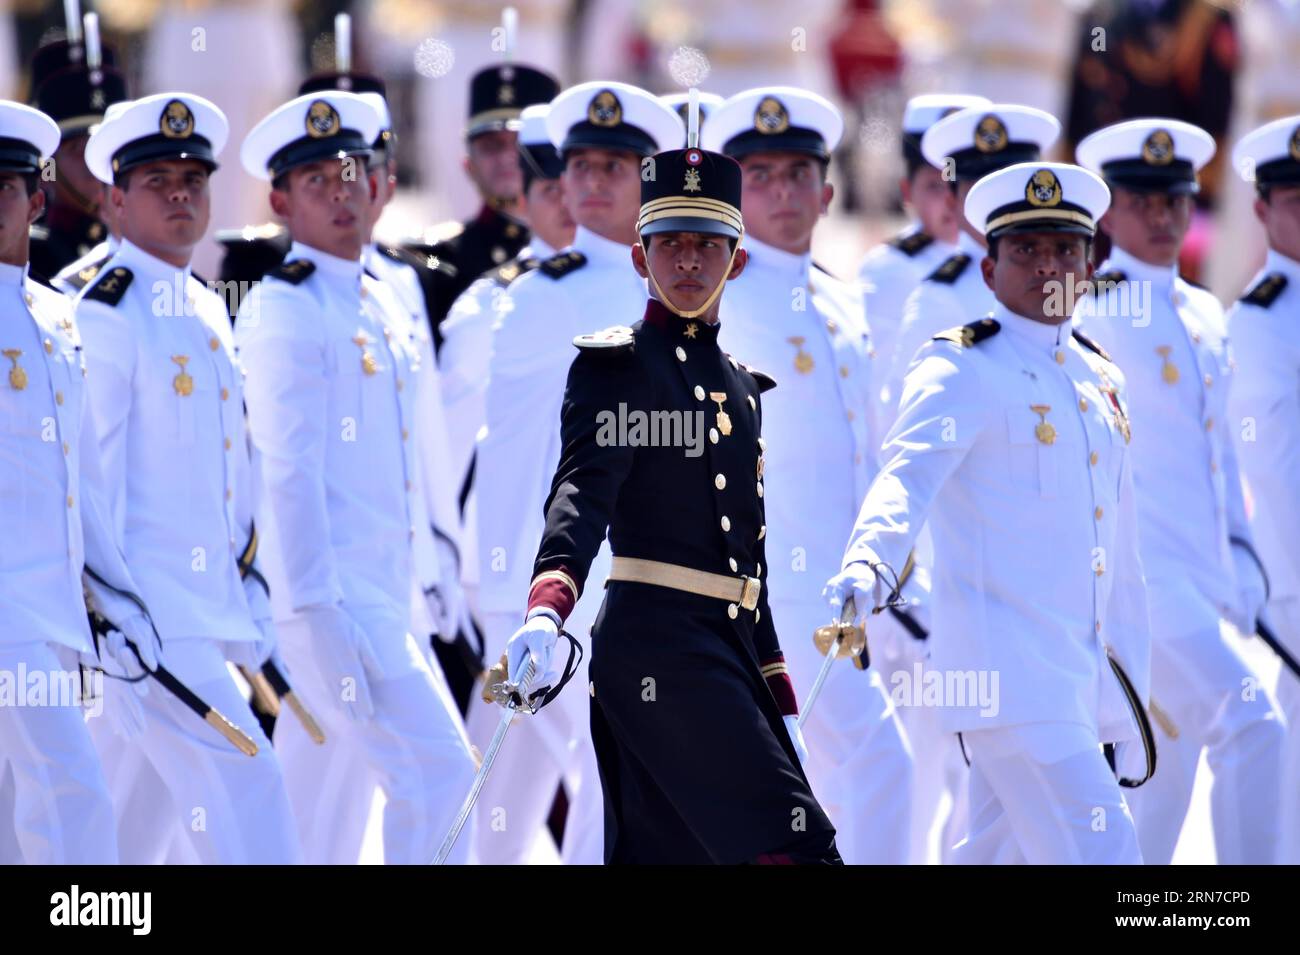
<point x="456" y="254"/>
<point x="74" y="83"/>
<point x="693" y="713"/>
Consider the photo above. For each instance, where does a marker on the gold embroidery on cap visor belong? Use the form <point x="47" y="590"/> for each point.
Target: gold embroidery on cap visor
<point x="176" y="121"/>
<point x="1158" y="150"/>
<point x="1043" y="189"/>
<point x="322" y="120"/>
<point x="771" y="116"/>
<point x="990" y="135"/>
<point x="605" y="110"/>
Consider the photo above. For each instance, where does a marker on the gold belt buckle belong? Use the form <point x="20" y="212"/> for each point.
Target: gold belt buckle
<point x="749" y="592"/>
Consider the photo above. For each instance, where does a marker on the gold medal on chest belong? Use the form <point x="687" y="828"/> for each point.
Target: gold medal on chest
<point x="1168" y="370"/>
<point x="17" y="375"/>
<point x="368" y="364"/>
<point x="182" y="384"/>
<point x="723" y="420"/>
<point x="1044" y="431"/>
<point x="803" y="362"/>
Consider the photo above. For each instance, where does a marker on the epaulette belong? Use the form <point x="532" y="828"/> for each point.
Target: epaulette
<point x="295" y="272"/>
<point x="951" y="269"/>
<point x="970" y="335"/>
<point x="612" y="340"/>
<point x="1089" y="344"/>
<point x="111" y="286"/>
<point x="912" y="245"/>
<point x="558" y="266"/>
<point x="83" y="277"/>
<point x="1266" y="290"/>
<point x="1103" y="282"/>
<point x="765" y="381"/>
<point x="503" y="275"/>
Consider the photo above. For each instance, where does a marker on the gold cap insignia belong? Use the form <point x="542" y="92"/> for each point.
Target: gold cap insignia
<point x="322" y="120"/>
<point x="1043" y="189"/>
<point x="176" y="121"/>
<point x="605" y="109"/>
<point x="1158" y="150"/>
<point x="771" y="117"/>
<point x="505" y="94"/>
<point x="1294" y="148"/>
<point x="990" y="135"/>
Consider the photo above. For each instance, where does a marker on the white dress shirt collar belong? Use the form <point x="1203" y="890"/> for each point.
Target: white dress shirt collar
<point x="146" y="266"/>
<point x="329" y="264"/>
<point x="1277" y="262"/>
<point x="537" y="248"/>
<point x="774" y="262"/>
<point x="1040" y="335"/>
<point x="1161" y="277"/>
<point x="600" y="250"/>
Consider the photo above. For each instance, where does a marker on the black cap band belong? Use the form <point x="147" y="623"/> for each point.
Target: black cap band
<point x="157" y="147"/>
<point x="1024" y="216"/>
<point x="794" y="139"/>
<point x="539" y="161"/>
<point x="1138" y="175"/>
<point x="305" y="149"/>
<point x="1279" y="172"/>
<point x="624" y="137"/>
<point x="18" y="155"/>
<point x="971" y="163"/>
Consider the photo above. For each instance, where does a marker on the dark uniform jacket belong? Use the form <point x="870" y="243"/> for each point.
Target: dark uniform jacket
<point x="688" y="691"/>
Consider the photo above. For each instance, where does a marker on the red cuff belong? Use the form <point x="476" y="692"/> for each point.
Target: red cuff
<point x="778" y="681"/>
<point x="554" y="589"/>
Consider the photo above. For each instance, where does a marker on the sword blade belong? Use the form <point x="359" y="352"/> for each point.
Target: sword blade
<point x="821" y="679"/>
<point x="489" y="757"/>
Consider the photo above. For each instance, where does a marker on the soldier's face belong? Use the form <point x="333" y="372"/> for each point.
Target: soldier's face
<point x="784" y="194"/>
<point x="326" y="205"/>
<point x="688" y="266"/>
<point x="933" y="202"/>
<point x="71" y="174"/>
<point x="1280" y="214"/>
<point x="547" y="215"/>
<point x="1150" y="226"/>
<point x="165" y="207"/>
<point x="492" y="161"/>
<point x="602" y="191"/>
<point x="1036" y="273"/>
<point x="18" y="210"/>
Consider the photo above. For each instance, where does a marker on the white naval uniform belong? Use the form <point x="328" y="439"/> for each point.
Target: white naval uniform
<point x="532" y="349"/>
<point x="1189" y="506"/>
<point x="1264" y="416"/>
<point x="793" y="321"/>
<point x="939" y="302"/>
<point x="53" y="520"/>
<point x="165" y="393"/>
<point x="331" y="413"/>
<point x="1036" y="579"/>
<point x="888" y="275"/>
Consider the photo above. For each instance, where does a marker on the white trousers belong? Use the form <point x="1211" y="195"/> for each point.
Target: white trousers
<point x="413" y="748"/>
<point x="1285" y="617"/>
<point x="1216" y="703"/>
<point x="233" y="808"/>
<point x="1044" y="795"/>
<point x="859" y="762"/>
<point x="51" y="782"/>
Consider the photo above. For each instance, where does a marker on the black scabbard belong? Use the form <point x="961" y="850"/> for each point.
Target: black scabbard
<point x="1274" y="644"/>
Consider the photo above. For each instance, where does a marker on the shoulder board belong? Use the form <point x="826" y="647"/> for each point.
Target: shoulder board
<point x="505" y="274"/>
<point x="613" y="340"/>
<point x="1266" y="290"/>
<point x="913" y="244"/>
<point x="970" y="335"/>
<point x="951" y="269"/>
<point x="558" y="266"/>
<point x="83" y="277"/>
<point x="112" y="285"/>
<point x="1089" y="344"/>
<point x="1102" y="282"/>
<point x="765" y="381"/>
<point x="295" y="272"/>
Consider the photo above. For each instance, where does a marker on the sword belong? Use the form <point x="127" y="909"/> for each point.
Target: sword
<point x="1263" y="631"/>
<point x="270" y="687"/>
<point x="834" y="636"/>
<point x="511" y="696"/>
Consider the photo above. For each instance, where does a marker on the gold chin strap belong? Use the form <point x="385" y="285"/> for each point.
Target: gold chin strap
<point x="713" y="297"/>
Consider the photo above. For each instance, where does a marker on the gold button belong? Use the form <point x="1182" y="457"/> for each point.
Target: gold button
<point x="400" y="386"/>
<point x="58" y="397"/>
<point x="364" y="291"/>
<point x="857" y="459"/>
<point x="1060" y="358"/>
<point x="405" y="434"/>
<point x="69" y="500"/>
<point x="699" y="393"/>
<point x="1094" y="458"/>
<point x="830" y="325"/>
<point x="49" y="347"/>
<point x="27" y="297"/>
<point x="844" y="371"/>
<point x="681" y="353"/>
<point x="1209" y="424"/>
<point x="214" y="343"/>
<point x="66" y="448"/>
<point x="732" y="611"/>
<point x="1214" y="467"/>
<point x="225" y="394"/>
<point x="1099" y="571"/>
<point x="1083" y="404"/>
<point x="388" y="334"/>
<point x="1196" y="337"/>
<point x="1209" y="381"/>
<point x="720" y="481"/>
<point x="408" y="485"/>
<point x="1098" y="626"/>
<point x="762" y="532"/>
<point x="1097" y="513"/>
<point x="762" y="444"/>
<point x="731" y="562"/>
<point x="760" y="488"/>
<point x="713" y="435"/>
<point x="752" y="403"/>
<point x="726" y="522"/>
<point x="849" y="414"/>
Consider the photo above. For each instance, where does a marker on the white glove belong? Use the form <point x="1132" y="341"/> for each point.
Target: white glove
<point x="139" y="631"/>
<point x="120" y="698"/>
<point x="343" y="653"/>
<point x="251" y="654"/>
<point x="1251" y="595"/>
<point x="796" y="737"/>
<point x="535" y="640"/>
<point x="858" y="581"/>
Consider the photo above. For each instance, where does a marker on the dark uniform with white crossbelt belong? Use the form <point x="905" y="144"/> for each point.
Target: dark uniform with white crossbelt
<point x="688" y="681"/>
